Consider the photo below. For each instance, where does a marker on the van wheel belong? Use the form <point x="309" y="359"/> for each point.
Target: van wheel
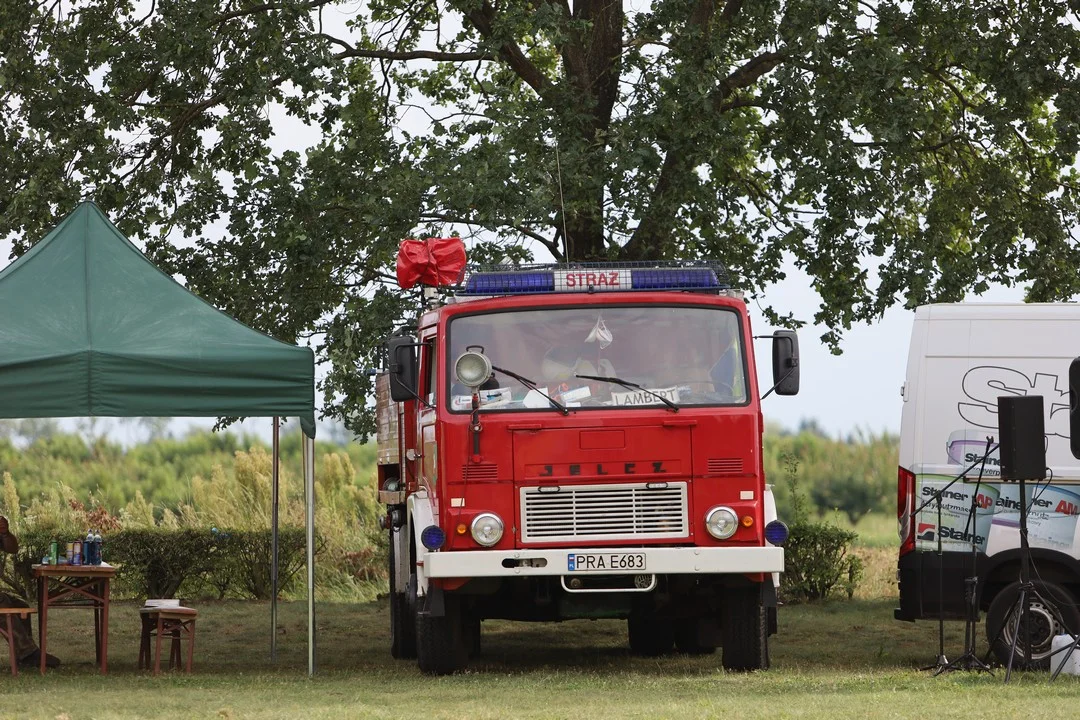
<point x="441" y="645"/>
<point x="650" y="634"/>
<point x="745" y="630"/>
<point x="1052" y="611"/>
<point x="688" y="637"/>
<point x="402" y="613"/>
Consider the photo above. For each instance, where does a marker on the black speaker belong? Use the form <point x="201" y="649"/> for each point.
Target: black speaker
<point x="1023" y="437"/>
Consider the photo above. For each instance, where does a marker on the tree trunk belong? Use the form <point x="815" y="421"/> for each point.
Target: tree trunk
<point x="592" y="62"/>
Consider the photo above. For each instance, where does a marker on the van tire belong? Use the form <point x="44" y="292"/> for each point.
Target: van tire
<point x="1047" y="615"/>
<point x="650" y="634"/>
<point x="441" y="645"/>
<point x="745" y="630"/>
<point x="402" y="614"/>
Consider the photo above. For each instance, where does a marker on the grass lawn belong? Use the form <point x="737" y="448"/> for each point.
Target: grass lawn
<point x="836" y="660"/>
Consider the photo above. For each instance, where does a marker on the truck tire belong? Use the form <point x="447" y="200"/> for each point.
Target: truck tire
<point x="650" y="634"/>
<point x="745" y="630"/>
<point x="1053" y="611"/>
<point x="688" y="637"/>
<point x="441" y="645"/>
<point x="402" y="614"/>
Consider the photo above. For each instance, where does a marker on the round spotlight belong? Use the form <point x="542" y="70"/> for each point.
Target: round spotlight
<point x="721" y="522"/>
<point x="487" y="529"/>
<point x="776" y="532"/>
<point x="472" y="369"/>
<point x="433" y="537"/>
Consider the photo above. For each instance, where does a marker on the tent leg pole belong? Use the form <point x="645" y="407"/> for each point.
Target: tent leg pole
<point x="309" y="493"/>
<point x="274" y="541"/>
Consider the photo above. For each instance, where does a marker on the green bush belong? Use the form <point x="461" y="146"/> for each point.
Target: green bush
<point x="155" y="563"/>
<point x="817" y="556"/>
<point x="817" y="560"/>
<point x="242" y="563"/>
<point x="160" y="563"/>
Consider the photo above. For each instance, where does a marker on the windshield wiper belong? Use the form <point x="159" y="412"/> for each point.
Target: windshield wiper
<point x="632" y="386"/>
<point x="532" y="386"/>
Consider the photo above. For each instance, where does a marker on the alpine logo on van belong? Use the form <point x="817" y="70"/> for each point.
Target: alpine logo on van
<point x="983" y="384"/>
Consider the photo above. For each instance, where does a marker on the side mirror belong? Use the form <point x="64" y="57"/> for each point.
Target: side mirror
<point x="401" y="351"/>
<point x="785" y="362"/>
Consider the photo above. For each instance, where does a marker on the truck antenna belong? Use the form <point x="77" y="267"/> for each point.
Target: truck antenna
<point x="562" y="204"/>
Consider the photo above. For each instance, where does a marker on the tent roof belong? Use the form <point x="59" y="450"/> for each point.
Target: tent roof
<point x="88" y="326"/>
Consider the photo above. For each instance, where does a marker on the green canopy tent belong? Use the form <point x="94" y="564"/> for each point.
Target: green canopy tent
<point x="90" y="327"/>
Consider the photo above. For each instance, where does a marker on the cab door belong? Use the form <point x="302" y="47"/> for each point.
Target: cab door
<point x="428" y="390"/>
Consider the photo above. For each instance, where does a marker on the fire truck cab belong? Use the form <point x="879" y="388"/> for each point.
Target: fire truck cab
<point x="561" y="442"/>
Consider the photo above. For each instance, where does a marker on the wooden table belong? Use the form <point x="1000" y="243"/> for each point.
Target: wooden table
<point x="75" y="587"/>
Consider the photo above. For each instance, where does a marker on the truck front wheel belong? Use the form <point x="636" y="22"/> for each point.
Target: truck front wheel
<point x="402" y="613"/>
<point x="442" y="647"/>
<point x="745" y="630"/>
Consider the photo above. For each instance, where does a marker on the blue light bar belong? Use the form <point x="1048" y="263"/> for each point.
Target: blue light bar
<point x="675" y="279"/>
<point x="510" y="283"/>
<point x="593" y="277"/>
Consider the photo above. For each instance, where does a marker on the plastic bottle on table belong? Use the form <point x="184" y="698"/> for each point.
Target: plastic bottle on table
<point x="88" y="548"/>
<point x="97" y="547"/>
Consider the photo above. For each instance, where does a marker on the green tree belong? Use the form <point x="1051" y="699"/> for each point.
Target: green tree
<point x="896" y="151"/>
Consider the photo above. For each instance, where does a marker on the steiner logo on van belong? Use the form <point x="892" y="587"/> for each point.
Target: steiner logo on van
<point x="983" y="384"/>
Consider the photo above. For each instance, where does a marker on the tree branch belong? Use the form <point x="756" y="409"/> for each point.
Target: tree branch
<point x="265" y="7"/>
<point x="483" y="19"/>
<point x="658" y="219"/>
<point x="416" y="55"/>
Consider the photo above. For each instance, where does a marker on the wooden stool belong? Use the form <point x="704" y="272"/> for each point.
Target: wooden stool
<point x="178" y="623"/>
<point x="7" y="630"/>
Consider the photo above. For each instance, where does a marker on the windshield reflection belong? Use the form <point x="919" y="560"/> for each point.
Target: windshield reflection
<point x="687" y="355"/>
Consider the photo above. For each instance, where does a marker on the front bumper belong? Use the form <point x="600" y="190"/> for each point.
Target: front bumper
<point x="659" y="561"/>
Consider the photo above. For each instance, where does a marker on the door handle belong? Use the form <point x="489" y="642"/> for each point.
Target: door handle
<point x="679" y="423"/>
<point x="527" y="427"/>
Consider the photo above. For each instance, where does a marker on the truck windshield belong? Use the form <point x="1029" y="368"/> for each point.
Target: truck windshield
<point x="687" y="355"/>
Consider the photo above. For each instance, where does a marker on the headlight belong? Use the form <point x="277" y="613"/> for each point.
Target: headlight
<point x="472" y="369"/>
<point x="721" y="522"/>
<point x="487" y="529"/>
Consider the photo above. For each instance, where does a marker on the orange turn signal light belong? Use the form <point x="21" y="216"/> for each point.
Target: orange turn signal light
<point x="462" y="529"/>
<point x="747" y="521"/>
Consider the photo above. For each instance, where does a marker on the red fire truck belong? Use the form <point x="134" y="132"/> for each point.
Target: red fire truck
<point x="582" y="441"/>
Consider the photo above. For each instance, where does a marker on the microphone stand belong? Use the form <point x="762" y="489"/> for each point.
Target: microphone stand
<point x="970" y="659"/>
<point x="942" y="662"/>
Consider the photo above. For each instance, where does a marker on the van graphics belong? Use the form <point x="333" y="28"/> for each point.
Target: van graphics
<point x="965" y="513"/>
<point x="982" y="385"/>
<point x="992" y="516"/>
<point x="967" y="447"/>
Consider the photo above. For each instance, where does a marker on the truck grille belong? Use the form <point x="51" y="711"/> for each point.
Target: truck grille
<point x="604" y="512"/>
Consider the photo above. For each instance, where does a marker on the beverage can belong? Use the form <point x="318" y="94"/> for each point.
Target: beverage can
<point x="54" y="552"/>
<point x="70" y="551"/>
<point x="76" y="558"/>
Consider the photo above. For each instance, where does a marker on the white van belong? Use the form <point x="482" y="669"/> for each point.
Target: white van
<point x="962" y="358"/>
